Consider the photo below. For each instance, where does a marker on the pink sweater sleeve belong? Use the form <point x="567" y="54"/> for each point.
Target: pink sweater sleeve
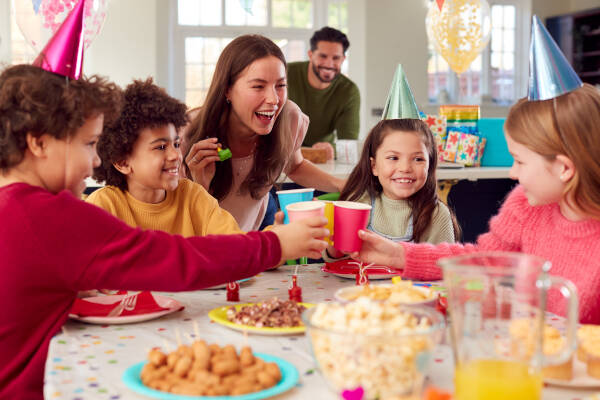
<point x="504" y="235"/>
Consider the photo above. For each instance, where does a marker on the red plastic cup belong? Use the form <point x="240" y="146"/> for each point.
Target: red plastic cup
<point x="348" y="218"/>
<point x="305" y="209"/>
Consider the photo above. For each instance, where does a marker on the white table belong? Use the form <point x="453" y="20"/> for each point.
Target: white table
<point x="342" y="171"/>
<point x="87" y="362"/>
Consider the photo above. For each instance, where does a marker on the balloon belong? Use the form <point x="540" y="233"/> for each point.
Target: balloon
<point x="459" y="30"/>
<point x="38" y="20"/>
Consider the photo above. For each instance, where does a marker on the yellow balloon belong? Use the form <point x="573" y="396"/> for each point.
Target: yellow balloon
<point x="459" y="31"/>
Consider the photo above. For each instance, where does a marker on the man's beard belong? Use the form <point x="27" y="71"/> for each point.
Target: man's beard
<point x="316" y="72"/>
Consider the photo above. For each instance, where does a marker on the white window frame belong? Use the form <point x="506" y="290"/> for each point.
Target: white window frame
<point x="522" y="38"/>
<point x="5" y="36"/>
<point x="171" y="74"/>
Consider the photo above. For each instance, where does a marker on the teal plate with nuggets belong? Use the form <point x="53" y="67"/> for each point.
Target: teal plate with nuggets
<point x="289" y="378"/>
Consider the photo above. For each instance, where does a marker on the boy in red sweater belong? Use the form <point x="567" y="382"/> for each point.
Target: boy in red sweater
<point x="53" y="245"/>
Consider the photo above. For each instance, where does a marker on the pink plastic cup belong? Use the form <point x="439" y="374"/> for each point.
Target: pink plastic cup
<point x="348" y="218"/>
<point x="305" y="209"/>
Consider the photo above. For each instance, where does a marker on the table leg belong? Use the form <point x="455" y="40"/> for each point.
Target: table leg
<point x="444" y="187"/>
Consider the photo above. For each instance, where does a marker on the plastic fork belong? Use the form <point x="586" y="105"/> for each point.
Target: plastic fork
<point x="127" y="303"/>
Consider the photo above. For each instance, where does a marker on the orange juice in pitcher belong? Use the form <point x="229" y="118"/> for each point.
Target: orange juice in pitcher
<point x="494" y="299"/>
<point x="496" y="380"/>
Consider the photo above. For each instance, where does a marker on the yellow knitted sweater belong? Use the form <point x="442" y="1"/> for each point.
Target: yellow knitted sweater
<point x="188" y="211"/>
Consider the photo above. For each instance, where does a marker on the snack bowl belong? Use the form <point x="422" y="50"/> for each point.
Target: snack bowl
<point x="384" y="348"/>
<point x="395" y="293"/>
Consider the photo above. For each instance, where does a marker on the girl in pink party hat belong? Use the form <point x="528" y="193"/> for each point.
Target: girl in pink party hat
<point x="53" y="245"/>
<point x="554" y="212"/>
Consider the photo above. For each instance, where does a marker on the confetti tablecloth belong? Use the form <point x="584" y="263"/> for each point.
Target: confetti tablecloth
<point x="87" y="361"/>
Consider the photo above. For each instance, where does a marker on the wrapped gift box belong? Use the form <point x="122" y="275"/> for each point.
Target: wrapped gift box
<point x="451" y="147"/>
<point x="437" y="125"/>
<point x="466" y="153"/>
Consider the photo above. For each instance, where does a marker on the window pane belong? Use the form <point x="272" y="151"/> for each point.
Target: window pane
<point x="508" y="62"/>
<point x="20" y="51"/>
<point x="236" y="15"/>
<point x="193" y="76"/>
<point x="292" y="14"/>
<point x="282" y="13"/>
<point x="195" y="98"/>
<point x="333" y="15"/>
<point x="207" y="73"/>
<point x="302" y="14"/>
<point x="476" y="64"/>
<point x="496" y="39"/>
<point x="497" y="16"/>
<point x="337" y="16"/>
<point x="509" y="40"/>
<point x="509" y="17"/>
<point x="496" y="60"/>
<point x="193" y="50"/>
<point x="199" y="12"/>
<point x="201" y="54"/>
<point x="293" y="50"/>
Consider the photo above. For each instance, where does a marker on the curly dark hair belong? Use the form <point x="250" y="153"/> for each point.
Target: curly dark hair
<point x="39" y="102"/>
<point x="145" y="106"/>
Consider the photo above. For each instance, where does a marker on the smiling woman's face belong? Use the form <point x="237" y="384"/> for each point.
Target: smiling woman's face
<point x="258" y="95"/>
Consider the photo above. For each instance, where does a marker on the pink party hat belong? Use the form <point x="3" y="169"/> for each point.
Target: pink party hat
<point x="63" y="54"/>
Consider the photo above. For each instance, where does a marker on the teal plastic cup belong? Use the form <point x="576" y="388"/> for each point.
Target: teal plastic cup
<point x="287" y="197"/>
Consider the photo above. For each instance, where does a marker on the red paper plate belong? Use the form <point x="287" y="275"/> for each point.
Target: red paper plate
<point x="347" y="269"/>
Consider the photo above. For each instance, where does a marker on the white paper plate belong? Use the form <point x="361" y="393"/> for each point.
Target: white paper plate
<point x="342" y="294"/>
<point x="165" y="302"/>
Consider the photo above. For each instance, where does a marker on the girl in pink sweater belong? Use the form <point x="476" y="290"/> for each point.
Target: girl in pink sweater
<point x="555" y="211"/>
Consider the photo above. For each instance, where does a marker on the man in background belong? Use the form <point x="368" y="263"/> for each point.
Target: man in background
<point x="330" y="99"/>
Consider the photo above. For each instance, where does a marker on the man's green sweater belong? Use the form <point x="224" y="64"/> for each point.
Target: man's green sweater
<point x="334" y="108"/>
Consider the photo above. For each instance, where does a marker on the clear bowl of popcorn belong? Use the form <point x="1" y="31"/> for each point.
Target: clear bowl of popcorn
<point x="382" y="347"/>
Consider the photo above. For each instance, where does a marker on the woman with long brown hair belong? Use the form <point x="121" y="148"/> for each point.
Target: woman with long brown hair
<point x="396" y="176"/>
<point x="246" y="110"/>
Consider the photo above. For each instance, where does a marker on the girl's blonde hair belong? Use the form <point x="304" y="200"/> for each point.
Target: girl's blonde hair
<point x="424" y="202"/>
<point x="567" y="125"/>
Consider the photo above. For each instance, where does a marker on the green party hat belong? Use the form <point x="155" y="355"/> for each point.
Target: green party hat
<point x="400" y="102"/>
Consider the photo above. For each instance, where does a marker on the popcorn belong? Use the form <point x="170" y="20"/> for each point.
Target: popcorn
<point x="379" y="346"/>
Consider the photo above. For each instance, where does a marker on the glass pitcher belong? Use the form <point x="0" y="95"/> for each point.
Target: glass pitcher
<point x="496" y="304"/>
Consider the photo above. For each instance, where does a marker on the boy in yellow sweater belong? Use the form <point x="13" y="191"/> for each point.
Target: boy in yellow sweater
<point x="141" y="159"/>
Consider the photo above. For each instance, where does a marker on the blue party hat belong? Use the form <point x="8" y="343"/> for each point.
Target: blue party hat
<point x="550" y="74"/>
<point x="400" y="102"/>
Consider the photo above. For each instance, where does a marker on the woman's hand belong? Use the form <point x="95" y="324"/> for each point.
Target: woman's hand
<point x="379" y="250"/>
<point x="201" y="161"/>
<point x="302" y="238"/>
<point x="327" y="147"/>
